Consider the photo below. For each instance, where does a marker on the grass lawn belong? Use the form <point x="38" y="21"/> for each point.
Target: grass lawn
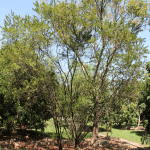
<point x="50" y="130"/>
<point x="131" y="135"/>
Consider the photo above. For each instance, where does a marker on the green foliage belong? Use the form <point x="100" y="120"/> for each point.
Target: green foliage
<point x="127" y="109"/>
<point x="145" y="139"/>
<point x="76" y="102"/>
<point x="146" y="100"/>
<point x="30" y="98"/>
<point x="26" y="86"/>
<point x="128" y="114"/>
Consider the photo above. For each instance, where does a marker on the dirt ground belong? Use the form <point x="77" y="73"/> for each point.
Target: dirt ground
<point x="27" y="139"/>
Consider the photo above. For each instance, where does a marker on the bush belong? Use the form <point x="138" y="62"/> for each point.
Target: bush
<point x="29" y="99"/>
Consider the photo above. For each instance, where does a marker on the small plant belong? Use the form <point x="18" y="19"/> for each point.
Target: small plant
<point x="145" y="138"/>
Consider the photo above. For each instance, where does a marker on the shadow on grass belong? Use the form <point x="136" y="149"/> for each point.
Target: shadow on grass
<point x="88" y="128"/>
<point x="122" y="127"/>
<point x="116" y="127"/>
<point x="139" y="133"/>
<point x="26" y="134"/>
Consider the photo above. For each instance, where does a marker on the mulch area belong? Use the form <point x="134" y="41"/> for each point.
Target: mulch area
<point x="27" y="139"/>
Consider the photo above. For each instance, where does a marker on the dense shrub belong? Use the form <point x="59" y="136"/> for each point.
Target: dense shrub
<point x="29" y="99"/>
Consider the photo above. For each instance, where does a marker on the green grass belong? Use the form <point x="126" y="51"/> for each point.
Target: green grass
<point x="131" y="135"/>
<point x="49" y="131"/>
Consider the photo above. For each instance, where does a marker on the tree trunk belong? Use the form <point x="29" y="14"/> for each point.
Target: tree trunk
<point x="76" y="144"/>
<point x="60" y="147"/>
<point x="95" y="124"/>
<point x="139" y="120"/>
<point x="9" y="127"/>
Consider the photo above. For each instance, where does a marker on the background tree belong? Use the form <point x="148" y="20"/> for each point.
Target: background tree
<point x="129" y="110"/>
<point x="145" y="100"/>
<point x="24" y="76"/>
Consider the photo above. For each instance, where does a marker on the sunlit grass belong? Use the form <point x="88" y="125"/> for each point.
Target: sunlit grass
<point x="50" y="130"/>
<point x="131" y="135"/>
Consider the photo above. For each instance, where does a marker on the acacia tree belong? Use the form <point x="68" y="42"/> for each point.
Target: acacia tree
<point x="104" y="34"/>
